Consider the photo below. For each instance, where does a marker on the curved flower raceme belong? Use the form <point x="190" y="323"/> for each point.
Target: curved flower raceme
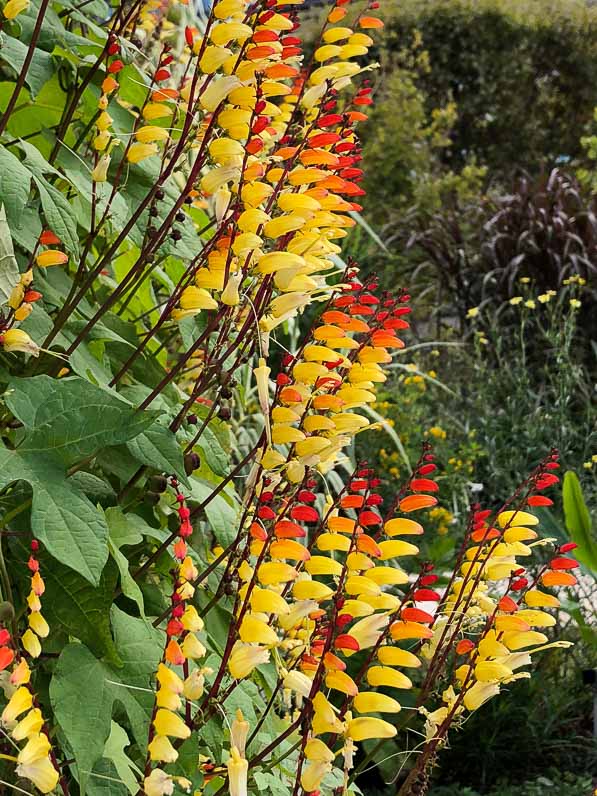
<point x="22" y="718"/>
<point x="179" y="677"/>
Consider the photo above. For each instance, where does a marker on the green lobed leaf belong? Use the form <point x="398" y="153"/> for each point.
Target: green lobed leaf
<point x="81" y="680"/>
<point x="41" y="68"/>
<point x="73" y="531"/>
<point x="80" y="609"/>
<point x="157" y="447"/>
<point x="73" y="418"/>
<point x="578" y="521"/>
<point x="59" y="214"/>
<point x="15" y="184"/>
<point x="120" y="536"/>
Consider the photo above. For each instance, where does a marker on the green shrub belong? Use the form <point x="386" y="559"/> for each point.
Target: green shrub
<point x="404" y="141"/>
<point x="522" y="74"/>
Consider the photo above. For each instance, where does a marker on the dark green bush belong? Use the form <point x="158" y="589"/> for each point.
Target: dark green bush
<point x="521" y="72"/>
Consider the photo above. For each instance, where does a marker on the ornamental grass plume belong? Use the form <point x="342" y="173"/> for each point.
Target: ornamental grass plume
<point x="231" y="604"/>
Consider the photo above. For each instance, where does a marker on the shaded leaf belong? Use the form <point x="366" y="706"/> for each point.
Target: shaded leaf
<point x="9" y="270"/>
<point x="81" y="680"/>
<point x="71" y="528"/>
<point x="40" y="70"/>
<point x="72" y="418"/>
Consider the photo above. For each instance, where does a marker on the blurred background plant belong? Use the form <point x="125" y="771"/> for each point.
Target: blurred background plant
<point x="485" y="131"/>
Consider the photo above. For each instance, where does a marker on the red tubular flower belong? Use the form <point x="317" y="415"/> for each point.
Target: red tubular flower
<point x="416" y="615"/>
<point x="539" y="500"/>
<point x="330" y="120"/>
<point x="426" y="596"/>
<point x="285" y="529"/>
<point x="368" y="518"/>
<point x="423" y="485"/>
<point x="346" y="642"/>
<point x="115" y="67"/>
<point x="507" y="605"/>
<point x="266" y="513"/>
<point x="426" y="469"/>
<point x="304" y="514"/>
<point x="48" y="238"/>
<point x="563" y="563"/>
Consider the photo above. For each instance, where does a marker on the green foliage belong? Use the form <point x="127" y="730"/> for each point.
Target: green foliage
<point x="578" y="521"/>
<point x="521" y="74"/>
<point x="552" y="781"/>
<point x="405" y="140"/>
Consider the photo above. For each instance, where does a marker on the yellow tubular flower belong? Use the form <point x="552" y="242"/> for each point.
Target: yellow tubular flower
<point x="51" y="257"/>
<point x="138" y="152"/>
<point x="380" y="676"/>
<point x="313" y="774"/>
<point x="273" y="572"/>
<point x="479" y="693"/>
<point x="100" y="172"/>
<point x="31" y="724"/>
<point x="151" y="133"/>
<point x="340" y="681"/>
<point x="168" y="699"/>
<point x="238" y="768"/>
<point x="161" y="750"/>
<point x="365" y="728"/>
<point x="324" y="718"/>
<point x="322" y="565"/>
<point x="194" y="685"/>
<point x="268" y="602"/>
<point x="18" y="340"/>
<point x="31" y="643"/>
<point x="298" y="682"/>
<point x="192" y="648"/>
<point x="239" y="732"/>
<point x="41" y="772"/>
<point x="195" y="298"/>
<point x="168" y="723"/>
<point x="311" y="590"/>
<point x="372" y="702"/>
<point x="158" y="783"/>
<point x="254" y="630"/>
<point x="39" y="624"/>
<point x="245" y="658"/>
<point x="15" y="7"/>
<point x="36" y="748"/>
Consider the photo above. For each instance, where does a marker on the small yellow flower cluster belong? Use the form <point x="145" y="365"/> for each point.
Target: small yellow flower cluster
<point x="437" y="432"/>
<point x="575" y="280"/>
<point x="544" y="298"/>
<point x="443" y="518"/>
